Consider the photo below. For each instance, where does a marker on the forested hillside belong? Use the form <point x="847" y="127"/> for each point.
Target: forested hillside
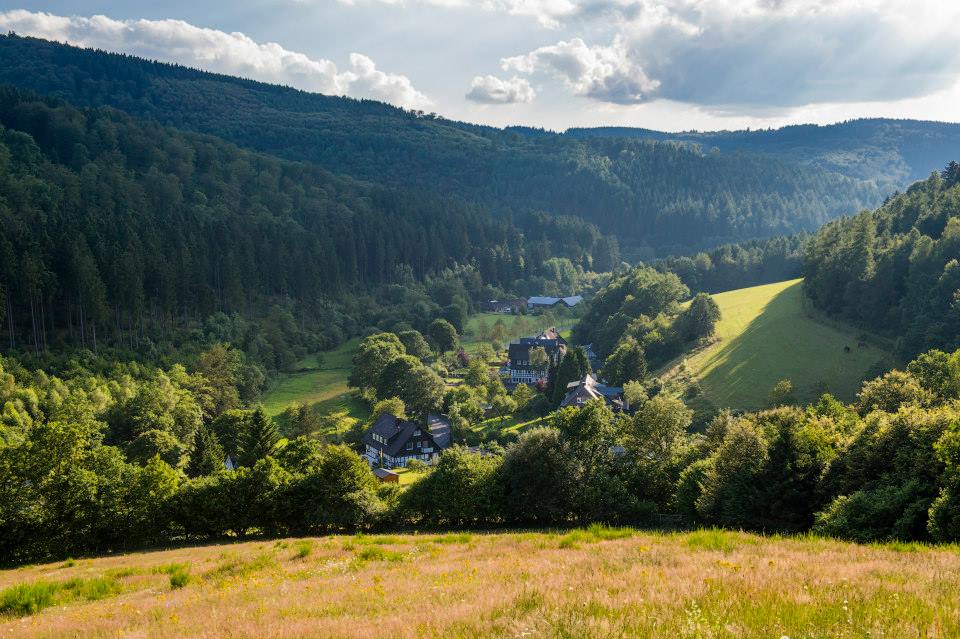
<point x="112" y="223"/>
<point x="896" y="270"/>
<point x="656" y="197"/>
<point x="892" y="152"/>
<point x="739" y="265"/>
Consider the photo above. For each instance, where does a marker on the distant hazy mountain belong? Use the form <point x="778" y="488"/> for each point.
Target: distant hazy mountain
<point x="892" y="152"/>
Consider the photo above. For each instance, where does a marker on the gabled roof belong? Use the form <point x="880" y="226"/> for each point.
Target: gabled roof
<point x="397" y="433"/>
<point x="543" y="301"/>
<point x="380" y="473"/>
<point x="440" y="430"/>
<point x="589" y="388"/>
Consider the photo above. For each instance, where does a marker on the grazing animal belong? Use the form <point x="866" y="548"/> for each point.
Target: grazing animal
<point x="846" y="349"/>
<point x="861" y="344"/>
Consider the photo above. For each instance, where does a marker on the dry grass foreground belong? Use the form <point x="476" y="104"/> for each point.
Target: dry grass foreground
<point x="592" y="583"/>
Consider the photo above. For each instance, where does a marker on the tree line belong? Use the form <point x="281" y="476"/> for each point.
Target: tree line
<point x="895" y="270"/>
<point x="733" y="266"/>
<point x="637" y="320"/>
<point x="81" y="468"/>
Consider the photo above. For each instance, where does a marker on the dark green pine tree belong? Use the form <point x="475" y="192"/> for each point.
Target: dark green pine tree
<point x="573" y="367"/>
<point x="207" y="456"/>
<point x="259" y="440"/>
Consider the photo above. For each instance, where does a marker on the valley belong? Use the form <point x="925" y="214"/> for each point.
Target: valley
<point x="283" y="354"/>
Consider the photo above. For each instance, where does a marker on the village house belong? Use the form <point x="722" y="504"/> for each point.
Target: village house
<point x="519" y="368"/>
<point x="540" y="302"/>
<point x="392" y="442"/>
<point x="582" y="391"/>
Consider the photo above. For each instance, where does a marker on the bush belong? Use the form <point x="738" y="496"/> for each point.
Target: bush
<point x="884" y="514"/>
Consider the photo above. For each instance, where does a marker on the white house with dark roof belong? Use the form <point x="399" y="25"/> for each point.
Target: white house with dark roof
<point x="519" y="367"/>
<point x="392" y="442"/>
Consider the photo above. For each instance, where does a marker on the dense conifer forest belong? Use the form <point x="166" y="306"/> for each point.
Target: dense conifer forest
<point x="122" y="228"/>
<point x="895" y="270"/>
<point x="890" y="152"/>
<point x="657" y="197"/>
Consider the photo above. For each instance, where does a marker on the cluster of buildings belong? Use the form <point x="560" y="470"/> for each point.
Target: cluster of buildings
<point x="392" y="442"/>
<point x="516" y="305"/>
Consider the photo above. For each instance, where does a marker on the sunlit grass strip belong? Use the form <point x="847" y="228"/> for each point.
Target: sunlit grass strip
<point x="30" y="598"/>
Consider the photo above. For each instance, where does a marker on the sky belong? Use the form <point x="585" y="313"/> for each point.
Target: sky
<point x="670" y="65"/>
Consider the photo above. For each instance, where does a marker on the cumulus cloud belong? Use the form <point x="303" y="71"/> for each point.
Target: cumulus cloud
<point x="757" y="54"/>
<point x="213" y="50"/>
<point x="489" y="89"/>
<point x="605" y="73"/>
<point x="549" y="13"/>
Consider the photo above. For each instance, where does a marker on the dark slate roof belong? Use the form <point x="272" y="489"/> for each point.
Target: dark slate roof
<point x="398" y="431"/>
<point x="541" y="300"/>
<point x="440" y="430"/>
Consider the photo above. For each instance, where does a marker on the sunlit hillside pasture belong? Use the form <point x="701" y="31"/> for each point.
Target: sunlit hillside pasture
<point x="766" y="334"/>
<point x="585" y="583"/>
<point x="325" y="383"/>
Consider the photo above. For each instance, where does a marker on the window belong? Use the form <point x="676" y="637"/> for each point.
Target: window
<point x="409" y="445"/>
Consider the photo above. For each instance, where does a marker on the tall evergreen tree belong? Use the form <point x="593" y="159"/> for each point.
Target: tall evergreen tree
<point x="207" y="456"/>
<point x="574" y="366"/>
<point x="259" y="440"/>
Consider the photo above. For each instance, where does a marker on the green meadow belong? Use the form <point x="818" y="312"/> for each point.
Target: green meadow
<point x="320" y="383"/>
<point x="766" y="334"/>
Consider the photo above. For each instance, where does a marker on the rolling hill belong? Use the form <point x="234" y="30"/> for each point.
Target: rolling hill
<point x="657" y="197"/>
<point x="891" y="152"/>
<point x="597" y="582"/>
<point x="766" y="334"/>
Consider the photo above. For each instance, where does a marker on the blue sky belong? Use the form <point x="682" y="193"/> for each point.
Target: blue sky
<point x="663" y="64"/>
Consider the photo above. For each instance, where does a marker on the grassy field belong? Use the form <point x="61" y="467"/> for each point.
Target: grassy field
<point x="585" y="583"/>
<point x="765" y="335"/>
<point x="324" y="385"/>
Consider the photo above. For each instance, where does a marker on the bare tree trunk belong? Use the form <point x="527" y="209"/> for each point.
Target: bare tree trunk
<point x="13" y="339"/>
<point x="83" y="328"/>
<point x="33" y="325"/>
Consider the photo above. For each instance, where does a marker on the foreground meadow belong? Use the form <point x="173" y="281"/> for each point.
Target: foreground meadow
<point x="585" y="583"/>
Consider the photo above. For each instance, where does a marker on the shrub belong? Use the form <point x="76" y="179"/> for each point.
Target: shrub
<point x="28" y="599"/>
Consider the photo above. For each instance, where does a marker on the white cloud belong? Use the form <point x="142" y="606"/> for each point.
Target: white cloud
<point x="489" y="89"/>
<point x="213" y="50"/>
<point x="549" y="13"/>
<point x="757" y="55"/>
<point x="605" y="73"/>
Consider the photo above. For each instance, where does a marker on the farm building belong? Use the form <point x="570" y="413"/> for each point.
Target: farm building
<point x="540" y="302"/>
